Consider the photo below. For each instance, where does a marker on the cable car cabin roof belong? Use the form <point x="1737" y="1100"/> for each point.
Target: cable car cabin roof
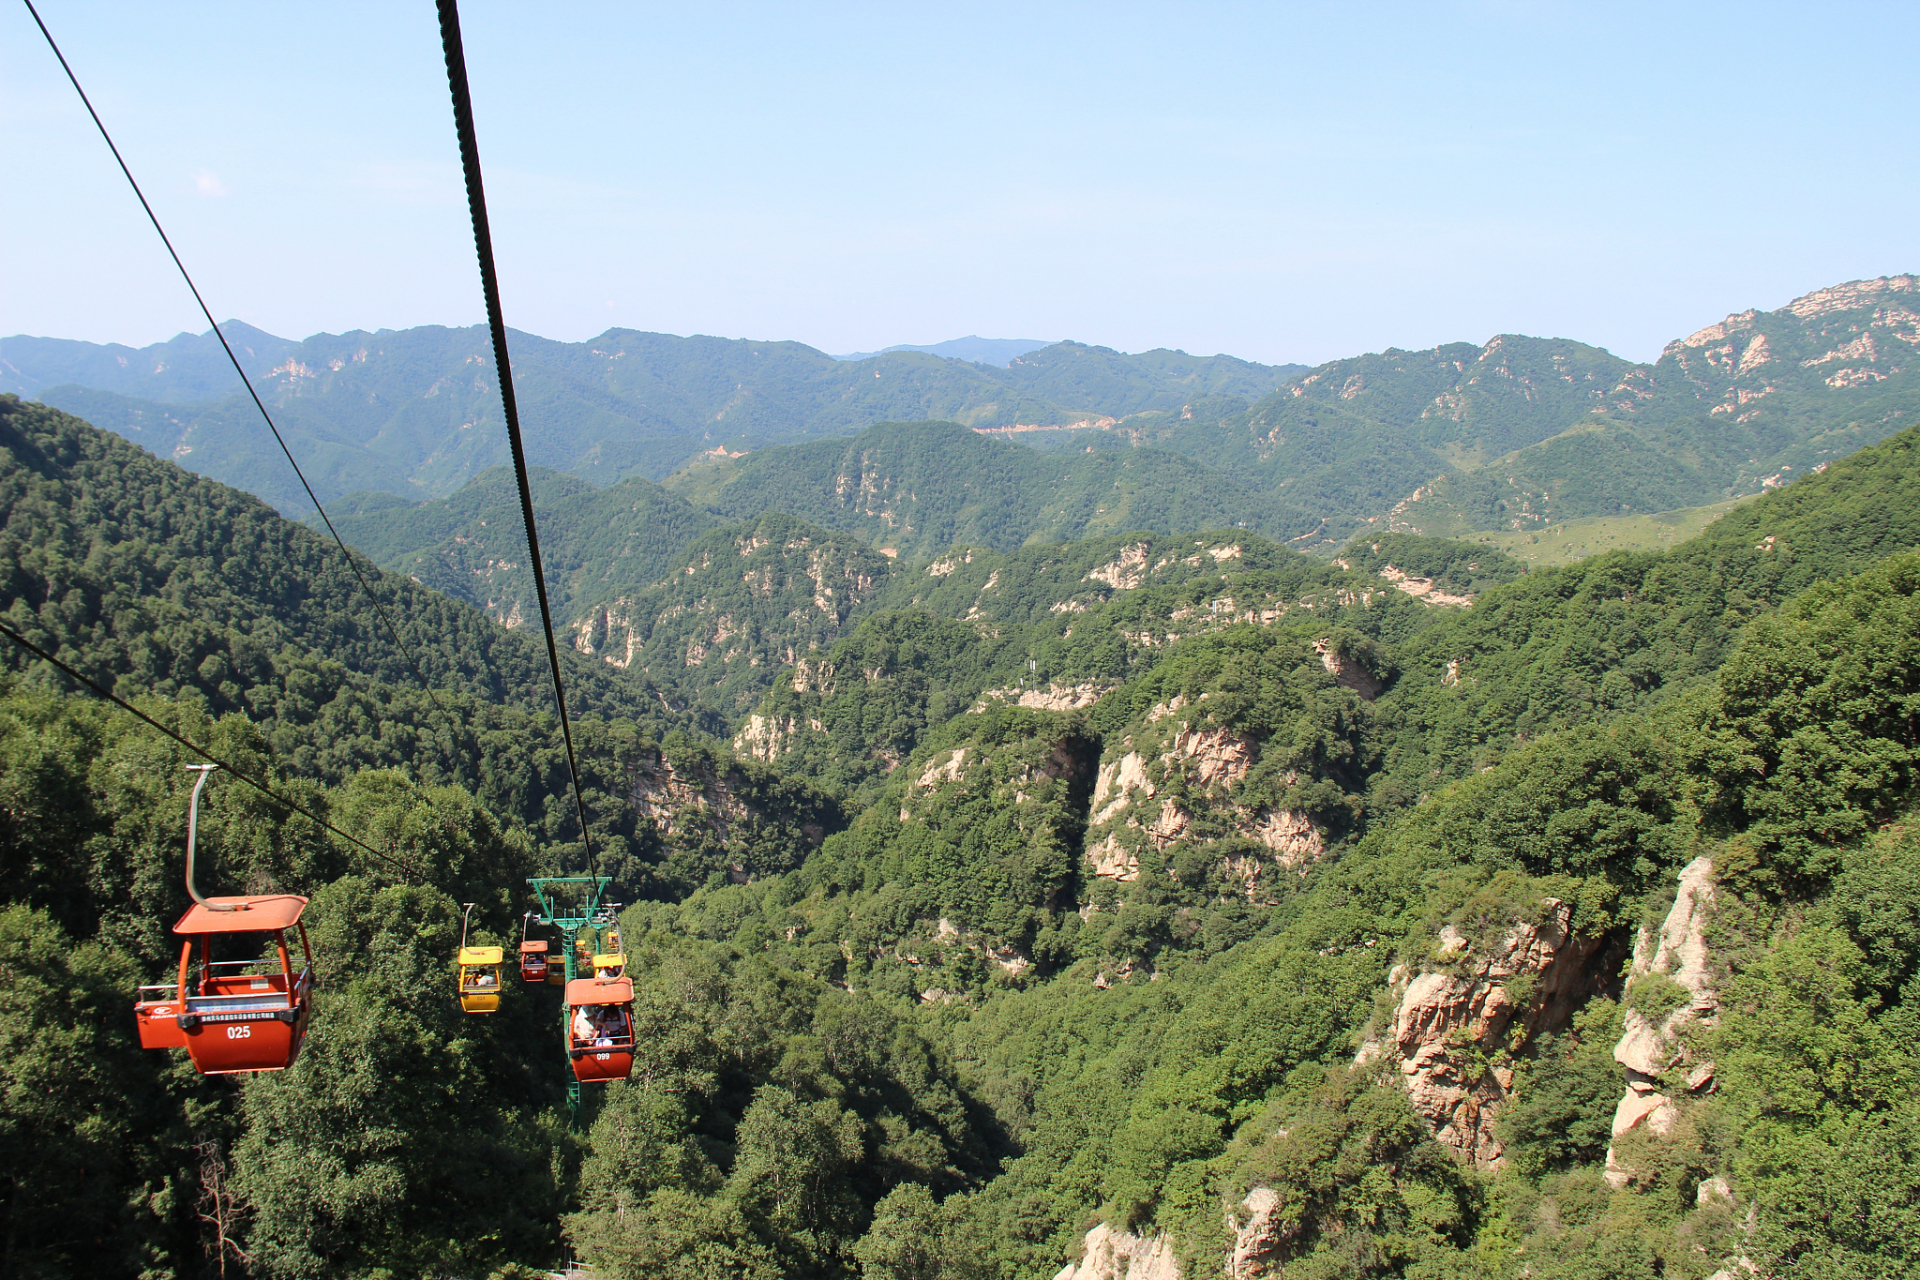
<point x="533" y="947"/>
<point x="611" y="960"/>
<point x="480" y="955"/>
<point x="257" y="914"/>
<point x="600" y="991"/>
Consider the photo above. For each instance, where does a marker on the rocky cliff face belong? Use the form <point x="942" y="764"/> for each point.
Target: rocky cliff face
<point x="1258" y="1235"/>
<point x="1113" y="1254"/>
<point x="1664" y="1069"/>
<point x="1459" y="1024"/>
<point x="746" y="603"/>
<point x="695" y="806"/>
<point x="1176" y="766"/>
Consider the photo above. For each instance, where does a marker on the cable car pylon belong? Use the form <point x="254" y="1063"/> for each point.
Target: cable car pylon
<point x="572" y="905"/>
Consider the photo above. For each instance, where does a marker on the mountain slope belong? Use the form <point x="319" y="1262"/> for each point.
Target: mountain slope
<point x="1243" y="996"/>
<point x="95" y="526"/>
<point x="745" y="602"/>
<point x="919" y="488"/>
<point x="596" y="543"/>
<point x="163" y="584"/>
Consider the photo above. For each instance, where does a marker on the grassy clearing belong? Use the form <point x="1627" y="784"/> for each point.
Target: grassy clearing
<point x="1578" y="539"/>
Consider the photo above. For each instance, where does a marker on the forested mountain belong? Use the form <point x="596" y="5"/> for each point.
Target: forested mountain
<point x="1522" y="431"/>
<point x="913" y="490"/>
<point x="415" y="412"/>
<point x="920" y="488"/>
<point x="1514" y="434"/>
<point x="158" y="582"/>
<point x="632" y="580"/>
<point x="1139" y="902"/>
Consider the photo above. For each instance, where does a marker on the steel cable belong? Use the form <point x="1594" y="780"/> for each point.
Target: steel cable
<point x="503" y="369"/>
<point x="224" y="346"/>
<point x="243" y="775"/>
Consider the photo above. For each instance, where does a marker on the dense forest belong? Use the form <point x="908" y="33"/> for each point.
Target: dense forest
<point x="1164" y="899"/>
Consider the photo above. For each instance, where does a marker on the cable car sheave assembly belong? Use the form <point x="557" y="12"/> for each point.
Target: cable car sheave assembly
<point x="249" y="1011"/>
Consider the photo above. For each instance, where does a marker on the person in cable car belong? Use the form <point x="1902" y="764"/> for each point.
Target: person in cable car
<point x="479" y="978"/>
<point x="599" y="1030"/>
<point x="533" y="961"/>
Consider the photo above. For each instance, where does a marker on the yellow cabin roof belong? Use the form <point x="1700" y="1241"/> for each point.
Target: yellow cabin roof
<point x="611" y="960"/>
<point x="481" y="955"/>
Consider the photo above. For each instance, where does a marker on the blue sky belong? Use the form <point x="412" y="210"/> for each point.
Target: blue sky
<point x="1280" y="182"/>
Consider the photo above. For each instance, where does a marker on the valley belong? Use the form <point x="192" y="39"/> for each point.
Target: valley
<point x="1439" y="814"/>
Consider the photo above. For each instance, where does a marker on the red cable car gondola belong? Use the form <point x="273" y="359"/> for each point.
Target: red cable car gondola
<point x="600" y="1028"/>
<point x="234" y="1015"/>
<point x="247" y="1014"/>
<point x="533" y="961"/>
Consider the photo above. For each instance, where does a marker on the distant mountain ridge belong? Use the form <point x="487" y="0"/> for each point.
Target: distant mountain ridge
<point x="1000" y="351"/>
<point x="1513" y="434"/>
<point x="1521" y="432"/>
<point x="416" y="412"/>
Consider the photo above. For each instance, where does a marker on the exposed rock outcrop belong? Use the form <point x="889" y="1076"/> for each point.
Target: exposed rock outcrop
<point x="678" y="802"/>
<point x="945" y="766"/>
<point x="1258" y="1234"/>
<point x="1422" y="588"/>
<point x="1129" y="808"/>
<point x="1112" y="1254"/>
<point x="1348" y="673"/>
<point x="765" y="737"/>
<point x="1055" y="697"/>
<point x="1658" y="1054"/>
<point x="1457" y="1028"/>
<point x="1126" y="571"/>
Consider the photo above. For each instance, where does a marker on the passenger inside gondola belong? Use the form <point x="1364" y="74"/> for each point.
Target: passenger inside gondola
<point x="599" y="1025"/>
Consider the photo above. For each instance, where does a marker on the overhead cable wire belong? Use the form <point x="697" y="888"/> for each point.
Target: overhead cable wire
<point x="225" y="346"/>
<point x="198" y="750"/>
<point x="490" y="284"/>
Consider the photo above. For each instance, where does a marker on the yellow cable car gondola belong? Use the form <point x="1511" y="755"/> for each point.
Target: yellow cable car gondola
<point x="480" y="979"/>
<point x="610" y="965"/>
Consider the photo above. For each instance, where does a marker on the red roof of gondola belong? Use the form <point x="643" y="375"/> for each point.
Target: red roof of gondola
<point x="255" y="914"/>
<point x="600" y="991"/>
